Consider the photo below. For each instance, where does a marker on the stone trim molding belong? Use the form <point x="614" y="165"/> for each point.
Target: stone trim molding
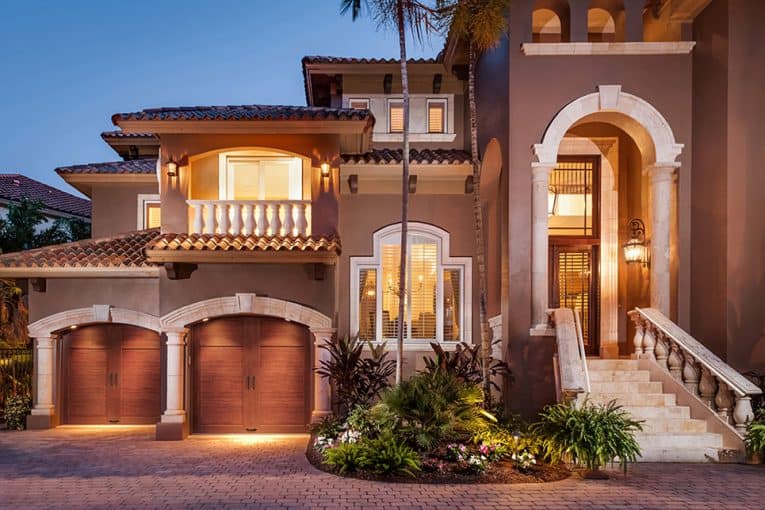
<point x="48" y="326"/>
<point x="611" y="99"/>
<point x="247" y="303"/>
<point x="609" y="48"/>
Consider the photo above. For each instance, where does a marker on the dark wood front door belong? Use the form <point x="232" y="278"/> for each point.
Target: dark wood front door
<point x="111" y="374"/>
<point x="250" y="374"/>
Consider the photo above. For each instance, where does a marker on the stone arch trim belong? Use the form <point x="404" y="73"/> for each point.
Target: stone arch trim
<point x="611" y="99"/>
<point x="96" y="314"/>
<point x="250" y="304"/>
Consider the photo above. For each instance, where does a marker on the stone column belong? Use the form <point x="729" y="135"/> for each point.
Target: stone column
<point x="662" y="176"/>
<point x="43" y="410"/>
<point x="540" y="182"/>
<point x="173" y="424"/>
<point x="322" y="394"/>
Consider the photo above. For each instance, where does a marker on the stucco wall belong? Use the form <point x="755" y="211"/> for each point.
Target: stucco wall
<point x="115" y="207"/>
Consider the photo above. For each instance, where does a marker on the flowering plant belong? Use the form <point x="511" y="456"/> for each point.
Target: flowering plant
<point x="523" y="460"/>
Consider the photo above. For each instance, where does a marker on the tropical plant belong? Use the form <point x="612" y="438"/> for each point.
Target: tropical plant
<point x="588" y="434"/>
<point x="346" y="457"/>
<point x="21" y="228"/>
<point x="481" y="24"/>
<point x="358" y="380"/>
<point x="387" y="455"/>
<point x="755" y="437"/>
<point x="14" y="316"/>
<point x="17" y="408"/>
<point x="419" y="18"/>
<point x="329" y="426"/>
<point x="432" y="408"/>
<point x="464" y="363"/>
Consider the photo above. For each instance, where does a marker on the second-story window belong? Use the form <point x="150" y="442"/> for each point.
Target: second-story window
<point x="148" y="211"/>
<point x="358" y="103"/>
<point x="396" y="117"/>
<point x="263" y="178"/>
<point x="436" y="116"/>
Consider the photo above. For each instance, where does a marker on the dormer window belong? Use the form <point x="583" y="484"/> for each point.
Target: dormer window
<point x="436" y="116"/>
<point x="395" y="117"/>
<point x="358" y="104"/>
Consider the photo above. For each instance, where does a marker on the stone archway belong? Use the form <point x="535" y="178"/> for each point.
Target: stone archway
<point x="654" y="137"/>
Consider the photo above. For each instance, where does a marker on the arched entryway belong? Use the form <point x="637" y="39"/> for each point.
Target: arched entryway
<point x="595" y="136"/>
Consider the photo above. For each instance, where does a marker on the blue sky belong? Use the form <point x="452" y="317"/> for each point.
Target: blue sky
<point x="66" y="66"/>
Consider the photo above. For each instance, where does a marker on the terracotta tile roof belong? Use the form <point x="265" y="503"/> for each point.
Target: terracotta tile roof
<point x="320" y="59"/>
<point x="219" y="242"/>
<point x="122" y="134"/>
<point x="416" y="156"/>
<point x="134" y="166"/>
<point x="14" y="187"/>
<point x="245" y="112"/>
<point x="125" y="250"/>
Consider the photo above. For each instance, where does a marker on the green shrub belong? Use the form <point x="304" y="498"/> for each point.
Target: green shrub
<point x="589" y="435"/>
<point x="329" y="427"/>
<point x="464" y="363"/>
<point x="429" y="409"/>
<point x="755" y="437"/>
<point x="346" y="457"/>
<point x="387" y="455"/>
<point x="16" y="410"/>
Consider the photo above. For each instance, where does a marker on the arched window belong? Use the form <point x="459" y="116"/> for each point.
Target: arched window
<point x="603" y="26"/>
<point x="438" y="301"/>
<point x="545" y="26"/>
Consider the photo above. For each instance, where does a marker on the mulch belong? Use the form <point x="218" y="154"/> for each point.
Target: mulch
<point x="499" y="473"/>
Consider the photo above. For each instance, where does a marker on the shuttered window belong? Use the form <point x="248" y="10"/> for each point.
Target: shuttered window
<point x="151" y="215"/>
<point x="436" y="116"/>
<point x="396" y="117"/>
<point x="367" y="303"/>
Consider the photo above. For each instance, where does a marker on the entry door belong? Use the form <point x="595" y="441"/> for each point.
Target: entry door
<point x="250" y="375"/>
<point x="574" y="284"/>
<point x="112" y="374"/>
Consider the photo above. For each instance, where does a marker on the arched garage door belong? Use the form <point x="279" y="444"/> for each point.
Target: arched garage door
<point x="111" y="374"/>
<point x="250" y="374"/>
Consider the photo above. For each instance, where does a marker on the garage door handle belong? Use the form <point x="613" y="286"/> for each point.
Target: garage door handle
<point x="253" y="381"/>
<point x="111" y="378"/>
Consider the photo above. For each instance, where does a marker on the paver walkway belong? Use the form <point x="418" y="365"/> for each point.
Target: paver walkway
<point x="123" y="467"/>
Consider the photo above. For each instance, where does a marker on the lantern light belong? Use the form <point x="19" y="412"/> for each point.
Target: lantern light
<point x="172" y="168"/>
<point x="635" y="250"/>
<point x="325" y="169"/>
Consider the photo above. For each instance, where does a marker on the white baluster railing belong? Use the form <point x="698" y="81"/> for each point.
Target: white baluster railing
<point x="251" y="217"/>
<point x="718" y="385"/>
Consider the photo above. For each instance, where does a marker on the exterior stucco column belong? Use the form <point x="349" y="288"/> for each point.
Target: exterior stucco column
<point x="662" y="176"/>
<point x="540" y="182"/>
<point x="173" y="424"/>
<point x="44" y="381"/>
<point x="322" y="395"/>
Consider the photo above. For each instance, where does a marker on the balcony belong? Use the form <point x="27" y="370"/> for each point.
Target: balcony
<point x="251" y="217"/>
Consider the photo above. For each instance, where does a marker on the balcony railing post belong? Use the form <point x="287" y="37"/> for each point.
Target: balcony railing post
<point x="236" y="219"/>
<point x="256" y="217"/>
<point x="209" y="218"/>
<point x="274" y="223"/>
<point x="301" y="222"/>
<point x="260" y="219"/>
<point x="288" y="224"/>
<point x="223" y="218"/>
<point x="249" y="220"/>
<point x="198" y="214"/>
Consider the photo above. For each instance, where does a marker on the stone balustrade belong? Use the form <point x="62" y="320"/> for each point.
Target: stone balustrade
<point x="251" y="217"/>
<point x="706" y="376"/>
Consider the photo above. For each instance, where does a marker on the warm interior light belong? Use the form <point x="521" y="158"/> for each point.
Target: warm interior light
<point x="172" y="168"/>
<point x="205" y="319"/>
<point x="325" y="169"/>
<point x="635" y="251"/>
<point x="72" y="327"/>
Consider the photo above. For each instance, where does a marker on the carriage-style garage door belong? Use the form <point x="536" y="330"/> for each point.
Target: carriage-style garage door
<point x="250" y="374"/>
<point x="111" y="374"/>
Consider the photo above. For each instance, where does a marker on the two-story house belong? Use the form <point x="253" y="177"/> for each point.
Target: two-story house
<point x="617" y="151"/>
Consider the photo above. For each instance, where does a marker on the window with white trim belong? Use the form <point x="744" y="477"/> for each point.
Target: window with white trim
<point x="436" y="116"/>
<point x="395" y="116"/>
<point x="437" y="289"/>
<point x="149" y="211"/>
<point x="262" y="178"/>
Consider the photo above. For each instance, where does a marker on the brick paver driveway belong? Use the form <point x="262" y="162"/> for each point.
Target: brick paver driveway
<point x="91" y="467"/>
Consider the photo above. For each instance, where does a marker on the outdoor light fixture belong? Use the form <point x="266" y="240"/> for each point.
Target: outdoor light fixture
<point x="635" y="250"/>
<point x="172" y="168"/>
<point x="325" y="169"/>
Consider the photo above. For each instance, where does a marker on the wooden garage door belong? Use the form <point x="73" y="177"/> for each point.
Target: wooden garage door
<point x="250" y="374"/>
<point x="111" y="374"/>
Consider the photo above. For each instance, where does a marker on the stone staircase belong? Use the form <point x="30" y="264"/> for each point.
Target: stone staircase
<point x="669" y="434"/>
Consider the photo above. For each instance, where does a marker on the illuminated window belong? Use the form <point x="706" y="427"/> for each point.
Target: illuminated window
<point x="436" y="294"/>
<point x="546" y="26"/>
<point x="436" y="116"/>
<point x="570" y="198"/>
<point x="600" y="26"/>
<point x="358" y="104"/>
<point x="149" y="212"/>
<point x="396" y="117"/>
<point x="262" y="178"/>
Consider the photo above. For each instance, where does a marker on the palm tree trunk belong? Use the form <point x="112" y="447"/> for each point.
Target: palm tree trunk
<point x="404" y="194"/>
<point x="478" y="224"/>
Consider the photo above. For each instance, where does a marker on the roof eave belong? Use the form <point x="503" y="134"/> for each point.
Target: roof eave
<point x="247" y="126"/>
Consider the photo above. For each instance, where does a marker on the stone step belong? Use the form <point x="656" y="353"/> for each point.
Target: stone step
<point x="676" y="425"/>
<point x="651" y="413"/>
<point x="635" y="399"/>
<point x="626" y="387"/>
<point x="669" y="440"/>
<point x="698" y="454"/>
<point x="612" y="364"/>
<point x="620" y="375"/>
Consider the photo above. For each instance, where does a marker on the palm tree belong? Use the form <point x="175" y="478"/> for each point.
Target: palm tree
<point x="417" y="17"/>
<point x="481" y="25"/>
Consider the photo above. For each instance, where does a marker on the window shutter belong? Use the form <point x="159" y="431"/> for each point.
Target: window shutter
<point x="452" y="304"/>
<point x="367" y="304"/>
<point x="151" y="215"/>
<point x="396" y="118"/>
<point x="423" y="283"/>
<point x="391" y="254"/>
<point x="436" y="117"/>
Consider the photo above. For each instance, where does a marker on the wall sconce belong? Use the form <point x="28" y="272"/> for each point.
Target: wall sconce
<point x="325" y="170"/>
<point x="635" y="250"/>
<point x="172" y="168"/>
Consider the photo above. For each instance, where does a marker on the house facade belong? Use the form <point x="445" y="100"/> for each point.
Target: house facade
<point x="231" y="242"/>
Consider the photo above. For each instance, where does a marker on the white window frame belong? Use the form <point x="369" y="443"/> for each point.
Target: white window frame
<point x="397" y="101"/>
<point x="226" y="178"/>
<point x="444" y="116"/>
<point x="358" y="99"/>
<point x="143" y="199"/>
<point x="465" y="264"/>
